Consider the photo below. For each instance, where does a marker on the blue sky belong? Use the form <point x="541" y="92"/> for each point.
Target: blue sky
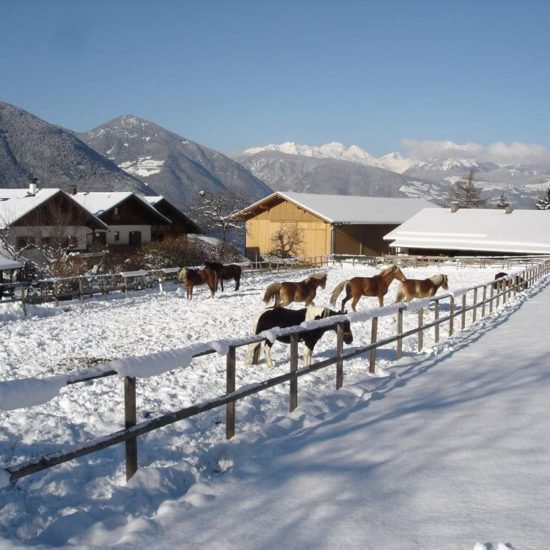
<point x="236" y="74"/>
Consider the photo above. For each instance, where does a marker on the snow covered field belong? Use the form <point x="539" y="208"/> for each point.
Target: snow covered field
<point x="87" y="502"/>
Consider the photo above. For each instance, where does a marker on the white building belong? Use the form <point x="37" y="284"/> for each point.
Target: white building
<point x="473" y="231"/>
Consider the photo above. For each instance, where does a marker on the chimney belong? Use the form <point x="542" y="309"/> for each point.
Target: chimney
<point x="33" y="185"/>
<point x="508" y="209"/>
<point x="73" y="190"/>
<point x="454" y="208"/>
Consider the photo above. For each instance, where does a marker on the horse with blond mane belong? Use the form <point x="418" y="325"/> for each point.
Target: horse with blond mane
<point x="303" y="291"/>
<point x="192" y="277"/>
<point x="367" y="286"/>
<point x="421" y="288"/>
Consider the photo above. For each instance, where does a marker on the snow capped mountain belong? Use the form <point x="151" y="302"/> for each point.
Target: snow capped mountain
<point x="395" y="162"/>
<point x="171" y="165"/>
<point x="332" y="150"/>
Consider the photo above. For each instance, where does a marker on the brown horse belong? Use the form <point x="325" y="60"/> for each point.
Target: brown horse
<point x="367" y="286"/>
<point x="192" y="277"/>
<point x="226" y="272"/>
<point x="421" y="288"/>
<point x="303" y="291"/>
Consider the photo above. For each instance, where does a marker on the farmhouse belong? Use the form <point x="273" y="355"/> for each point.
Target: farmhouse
<point x="473" y="232"/>
<point x="328" y="224"/>
<point x="34" y="216"/>
<point x="181" y="224"/>
<point x="130" y="218"/>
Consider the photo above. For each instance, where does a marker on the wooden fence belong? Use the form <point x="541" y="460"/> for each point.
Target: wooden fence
<point x="479" y="300"/>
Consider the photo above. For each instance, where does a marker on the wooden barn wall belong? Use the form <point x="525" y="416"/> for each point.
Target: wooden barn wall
<point x="261" y="228"/>
<point x="362" y="239"/>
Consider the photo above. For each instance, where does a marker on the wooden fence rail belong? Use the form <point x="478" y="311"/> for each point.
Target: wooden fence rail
<point x="129" y="435"/>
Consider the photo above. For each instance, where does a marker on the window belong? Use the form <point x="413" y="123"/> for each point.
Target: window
<point x="117" y="236"/>
<point x="116" y="212"/>
<point x="100" y="237"/>
<point x="134" y="237"/>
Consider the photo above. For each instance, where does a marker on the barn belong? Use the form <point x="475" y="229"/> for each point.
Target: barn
<point x="473" y="231"/>
<point x="328" y="224"/>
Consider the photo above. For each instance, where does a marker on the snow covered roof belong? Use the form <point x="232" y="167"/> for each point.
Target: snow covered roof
<point x="346" y="209"/>
<point x="99" y="202"/>
<point x="16" y="203"/>
<point x="7" y="263"/>
<point x="491" y="230"/>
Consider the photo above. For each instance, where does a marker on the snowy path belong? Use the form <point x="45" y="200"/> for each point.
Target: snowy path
<point x="447" y="451"/>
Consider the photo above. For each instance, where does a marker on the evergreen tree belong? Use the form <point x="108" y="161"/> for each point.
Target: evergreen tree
<point x="465" y="194"/>
<point x="544" y="203"/>
<point x="503" y="202"/>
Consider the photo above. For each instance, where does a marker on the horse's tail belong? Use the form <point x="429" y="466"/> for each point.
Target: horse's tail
<point x="271" y="291"/>
<point x="181" y="274"/>
<point x="337" y="290"/>
<point x="253" y="350"/>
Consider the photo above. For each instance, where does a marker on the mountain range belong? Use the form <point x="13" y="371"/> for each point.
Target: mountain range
<point x="171" y="165"/>
<point x="291" y="166"/>
<point x="133" y="154"/>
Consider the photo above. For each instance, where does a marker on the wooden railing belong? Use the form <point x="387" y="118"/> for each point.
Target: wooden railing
<point x="485" y="299"/>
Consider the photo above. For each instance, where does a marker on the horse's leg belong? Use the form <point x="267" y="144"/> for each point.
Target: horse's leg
<point x="221" y="282"/>
<point x="348" y="296"/>
<point x="381" y="301"/>
<point x="267" y="353"/>
<point x="354" y="302"/>
<point x="308" y="353"/>
<point x="237" y="282"/>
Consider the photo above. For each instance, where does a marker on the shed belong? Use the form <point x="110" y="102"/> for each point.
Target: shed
<point x="471" y="231"/>
<point x="329" y="224"/>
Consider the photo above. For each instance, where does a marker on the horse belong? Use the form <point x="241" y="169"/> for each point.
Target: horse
<point x="303" y="291"/>
<point x="191" y="277"/>
<point x="225" y="272"/>
<point x="517" y="280"/>
<point x="421" y="288"/>
<point x="367" y="286"/>
<point x="283" y="318"/>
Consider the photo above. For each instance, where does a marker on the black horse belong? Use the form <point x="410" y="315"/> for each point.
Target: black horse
<point x="284" y="318"/>
<point x="231" y="271"/>
<point x="501" y="283"/>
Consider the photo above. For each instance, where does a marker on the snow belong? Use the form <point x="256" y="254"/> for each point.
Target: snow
<point x="7" y="263"/>
<point x="351" y="209"/>
<point x="447" y="449"/>
<point x="521" y="231"/>
<point x="143" y="166"/>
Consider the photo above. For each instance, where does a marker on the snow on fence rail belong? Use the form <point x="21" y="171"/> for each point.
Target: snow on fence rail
<point x="28" y="392"/>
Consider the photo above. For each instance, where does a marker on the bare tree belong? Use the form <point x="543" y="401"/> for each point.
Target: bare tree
<point x="215" y="213"/>
<point x="465" y="194"/>
<point x="287" y="240"/>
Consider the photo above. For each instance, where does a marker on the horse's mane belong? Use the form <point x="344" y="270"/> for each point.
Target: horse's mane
<point x="388" y="269"/>
<point x="320" y="275"/>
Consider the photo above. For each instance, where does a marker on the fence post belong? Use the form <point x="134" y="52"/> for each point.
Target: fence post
<point x="463" y="323"/>
<point x="130" y="417"/>
<point x="24" y="293"/>
<point x="436" y="318"/>
<point x="230" y="388"/>
<point x="80" y="289"/>
<point x="373" y="337"/>
<point x="56" y="292"/>
<point x="399" y="344"/>
<point x="293" y="369"/>
<point x="452" y="316"/>
<point x="420" y="329"/>
<point x="484" y="298"/>
<point x="491" y="293"/>
<point x="474" y="317"/>
<point x="339" y="360"/>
